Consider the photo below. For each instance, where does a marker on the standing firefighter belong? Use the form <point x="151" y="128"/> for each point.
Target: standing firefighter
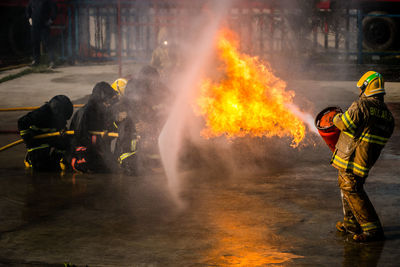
<point x="45" y="154"/>
<point x="41" y="15"/>
<point x="365" y="128"/>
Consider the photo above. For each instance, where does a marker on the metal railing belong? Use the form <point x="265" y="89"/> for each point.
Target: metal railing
<point x="130" y="30"/>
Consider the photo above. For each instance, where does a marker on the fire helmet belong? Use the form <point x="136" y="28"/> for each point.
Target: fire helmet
<point x="61" y="106"/>
<point x="371" y="83"/>
<point x="119" y="85"/>
<point x="103" y="93"/>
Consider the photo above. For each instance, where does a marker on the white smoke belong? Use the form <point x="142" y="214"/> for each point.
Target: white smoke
<point x="307" y="118"/>
<point x="171" y="136"/>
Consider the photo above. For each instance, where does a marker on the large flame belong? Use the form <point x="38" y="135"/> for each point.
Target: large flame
<point x="248" y="100"/>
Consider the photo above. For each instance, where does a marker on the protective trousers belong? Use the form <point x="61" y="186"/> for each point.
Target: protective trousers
<point x="357" y="208"/>
<point x="41" y="35"/>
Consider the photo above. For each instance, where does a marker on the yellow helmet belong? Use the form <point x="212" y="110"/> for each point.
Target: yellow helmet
<point x="119" y="85"/>
<point x="371" y="83"/>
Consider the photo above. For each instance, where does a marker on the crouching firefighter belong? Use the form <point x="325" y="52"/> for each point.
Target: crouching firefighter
<point x="126" y="143"/>
<point x="365" y="128"/>
<point x="91" y="151"/>
<point x="45" y="154"/>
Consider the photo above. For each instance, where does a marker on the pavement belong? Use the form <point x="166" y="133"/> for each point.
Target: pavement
<point x="267" y="205"/>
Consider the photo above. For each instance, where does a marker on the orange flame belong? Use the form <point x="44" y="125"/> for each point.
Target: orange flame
<point x="248" y="100"/>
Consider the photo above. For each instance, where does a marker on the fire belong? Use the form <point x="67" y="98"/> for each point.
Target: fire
<point x="248" y="100"/>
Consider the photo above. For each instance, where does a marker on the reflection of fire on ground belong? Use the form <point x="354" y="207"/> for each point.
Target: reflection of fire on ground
<point x="241" y="234"/>
<point x="249" y="100"/>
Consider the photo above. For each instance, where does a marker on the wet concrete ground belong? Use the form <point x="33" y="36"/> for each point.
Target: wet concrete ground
<point x="278" y="208"/>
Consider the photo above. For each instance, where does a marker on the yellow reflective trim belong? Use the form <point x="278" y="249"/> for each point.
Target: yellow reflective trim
<point x="35" y="128"/>
<point x="340" y="162"/>
<point x="352" y="221"/>
<point x="38" y="147"/>
<point x="349" y="134"/>
<point x="374" y="139"/>
<point x="350" y="165"/>
<point x="345" y="121"/>
<point x="124" y="156"/>
<point x="133" y="144"/>
<point x="370" y="226"/>
<point x="370" y="138"/>
<point x="347" y="116"/>
<point x="23" y="132"/>
<point x="348" y="122"/>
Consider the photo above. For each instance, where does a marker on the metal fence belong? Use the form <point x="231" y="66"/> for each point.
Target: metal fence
<point x="116" y="30"/>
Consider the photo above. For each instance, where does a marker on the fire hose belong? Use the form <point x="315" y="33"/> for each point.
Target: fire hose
<point x="31" y="108"/>
<point x="40" y="136"/>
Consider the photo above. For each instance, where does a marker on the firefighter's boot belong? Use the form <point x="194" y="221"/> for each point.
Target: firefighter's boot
<point x="369" y="236"/>
<point x="348" y="227"/>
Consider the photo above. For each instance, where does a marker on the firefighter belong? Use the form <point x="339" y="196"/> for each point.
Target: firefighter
<point x="41" y="15"/>
<point x="125" y="145"/>
<point x="166" y="56"/>
<point x="92" y="152"/>
<point x="147" y="96"/>
<point x="45" y="154"/>
<point x="365" y="128"/>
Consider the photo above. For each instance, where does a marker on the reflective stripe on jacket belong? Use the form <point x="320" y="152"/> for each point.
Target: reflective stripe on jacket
<point x="366" y="127"/>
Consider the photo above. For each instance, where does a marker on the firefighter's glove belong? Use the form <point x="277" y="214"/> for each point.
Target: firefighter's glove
<point x="30" y="21"/>
<point x="78" y="161"/>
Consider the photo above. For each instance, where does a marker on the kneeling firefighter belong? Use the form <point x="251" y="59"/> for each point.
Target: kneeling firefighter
<point x="92" y="152"/>
<point x="148" y="98"/>
<point x="124" y="121"/>
<point x="365" y="128"/>
<point x="45" y="154"/>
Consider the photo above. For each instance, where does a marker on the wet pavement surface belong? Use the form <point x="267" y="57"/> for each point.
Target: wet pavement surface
<point x="276" y="208"/>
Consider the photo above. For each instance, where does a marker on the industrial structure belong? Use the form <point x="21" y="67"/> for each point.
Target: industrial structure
<point x="130" y="29"/>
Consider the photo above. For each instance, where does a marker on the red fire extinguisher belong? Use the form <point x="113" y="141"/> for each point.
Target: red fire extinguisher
<point x="324" y="124"/>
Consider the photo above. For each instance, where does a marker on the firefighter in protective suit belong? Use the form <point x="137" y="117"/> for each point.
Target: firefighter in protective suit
<point x="45" y="154"/>
<point x="148" y="98"/>
<point x="365" y="128"/>
<point x="91" y="152"/>
<point x="166" y="57"/>
<point x="124" y="122"/>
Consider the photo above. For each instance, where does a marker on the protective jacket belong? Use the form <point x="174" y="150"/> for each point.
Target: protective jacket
<point x="44" y="154"/>
<point x="91" y="152"/>
<point x="365" y="128"/>
<point x="126" y="144"/>
<point x="148" y="97"/>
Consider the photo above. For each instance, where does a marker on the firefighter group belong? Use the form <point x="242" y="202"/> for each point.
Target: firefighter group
<point x="117" y="121"/>
<point x="132" y="112"/>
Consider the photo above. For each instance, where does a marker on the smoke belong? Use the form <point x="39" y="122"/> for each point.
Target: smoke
<point x="178" y="125"/>
<point x="171" y="136"/>
<point x="307" y="118"/>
